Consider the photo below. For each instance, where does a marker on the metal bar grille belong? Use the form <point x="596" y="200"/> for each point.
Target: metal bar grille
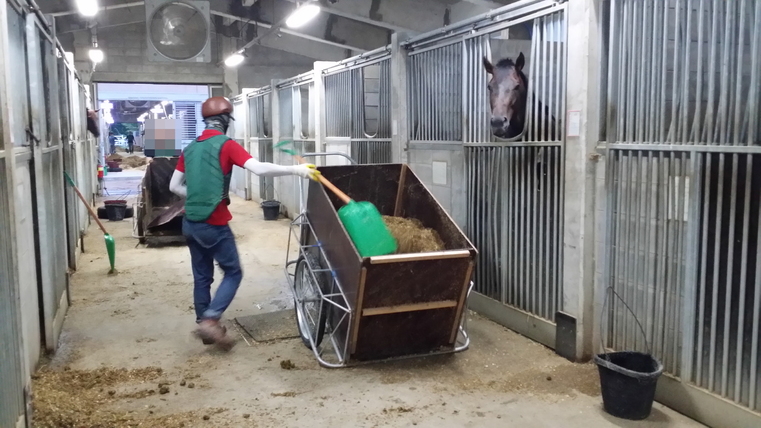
<point x="684" y="72"/>
<point x="515" y="187"/>
<point x="11" y="373"/>
<point x="358" y="107"/>
<point x="515" y="219"/>
<point x="260" y="134"/>
<point x="647" y="202"/>
<point x="435" y="98"/>
<point x="266" y="154"/>
<point x="287" y="128"/>
<point x="726" y="357"/>
<point x="683" y="223"/>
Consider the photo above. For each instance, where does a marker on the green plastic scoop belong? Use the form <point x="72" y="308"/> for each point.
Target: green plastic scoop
<point x="110" y="243"/>
<point x="364" y="224"/>
<point x="362" y="221"/>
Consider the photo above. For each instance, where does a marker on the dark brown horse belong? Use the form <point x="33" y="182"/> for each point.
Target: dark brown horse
<point x="508" y="98"/>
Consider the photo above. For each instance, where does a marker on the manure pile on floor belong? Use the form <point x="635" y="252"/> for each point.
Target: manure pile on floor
<point x="412" y="236"/>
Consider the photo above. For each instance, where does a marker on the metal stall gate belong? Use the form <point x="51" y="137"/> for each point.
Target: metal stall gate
<point x="682" y="182"/>
<point x="358" y="108"/>
<point x="12" y="378"/>
<point x="297" y="105"/>
<point x="513" y="186"/>
<point x="22" y="141"/>
<point x="79" y="156"/>
<point x="47" y="177"/>
<point x="260" y="137"/>
<point x="239" y="182"/>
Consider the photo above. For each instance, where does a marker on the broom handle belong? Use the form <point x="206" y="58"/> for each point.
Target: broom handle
<point x="341" y="195"/>
<point x="89" y="208"/>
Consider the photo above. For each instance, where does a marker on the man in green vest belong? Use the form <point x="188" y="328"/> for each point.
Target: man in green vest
<point x="202" y="177"/>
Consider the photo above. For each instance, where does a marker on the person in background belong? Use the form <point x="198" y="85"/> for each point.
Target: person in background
<point x="202" y="177"/>
<point x="112" y="142"/>
<point x="130" y="142"/>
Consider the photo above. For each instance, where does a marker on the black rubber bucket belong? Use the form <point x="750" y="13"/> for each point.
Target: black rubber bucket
<point x="271" y="210"/>
<point x="116" y="212"/>
<point x="628" y="380"/>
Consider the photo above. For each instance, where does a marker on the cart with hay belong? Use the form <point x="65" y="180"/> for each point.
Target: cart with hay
<point x="351" y="309"/>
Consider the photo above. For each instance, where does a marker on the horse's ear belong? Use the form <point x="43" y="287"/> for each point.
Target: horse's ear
<point x="488" y="66"/>
<point x="520" y="62"/>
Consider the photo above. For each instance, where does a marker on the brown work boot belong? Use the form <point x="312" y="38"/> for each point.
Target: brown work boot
<point x="226" y="342"/>
<point x="211" y="331"/>
<point x="210" y="341"/>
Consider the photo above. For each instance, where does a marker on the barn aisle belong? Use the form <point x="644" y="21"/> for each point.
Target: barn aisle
<point x="128" y="359"/>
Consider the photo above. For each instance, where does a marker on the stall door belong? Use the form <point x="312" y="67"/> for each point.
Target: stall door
<point x="47" y="179"/>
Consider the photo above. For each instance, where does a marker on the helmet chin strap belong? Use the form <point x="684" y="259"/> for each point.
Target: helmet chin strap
<point x="220" y="122"/>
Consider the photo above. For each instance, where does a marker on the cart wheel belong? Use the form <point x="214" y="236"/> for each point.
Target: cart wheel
<point x="311" y="310"/>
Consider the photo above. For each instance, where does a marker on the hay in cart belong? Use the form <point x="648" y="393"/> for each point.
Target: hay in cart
<point x="412" y="236"/>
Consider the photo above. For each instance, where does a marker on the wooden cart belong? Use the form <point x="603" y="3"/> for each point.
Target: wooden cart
<point x="351" y="309"/>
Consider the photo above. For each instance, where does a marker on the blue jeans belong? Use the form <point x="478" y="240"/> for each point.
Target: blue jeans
<point x="208" y="243"/>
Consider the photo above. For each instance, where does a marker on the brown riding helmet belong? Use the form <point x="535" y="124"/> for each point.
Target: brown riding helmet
<point x="215" y="106"/>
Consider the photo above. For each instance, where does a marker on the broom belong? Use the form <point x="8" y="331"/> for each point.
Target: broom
<point x="110" y="243"/>
<point x="362" y="220"/>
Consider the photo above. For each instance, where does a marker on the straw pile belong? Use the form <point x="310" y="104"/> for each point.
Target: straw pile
<point x="134" y="162"/>
<point x="412" y="236"/>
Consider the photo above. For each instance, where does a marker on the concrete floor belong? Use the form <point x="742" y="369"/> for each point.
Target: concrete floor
<point x="143" y="317"/>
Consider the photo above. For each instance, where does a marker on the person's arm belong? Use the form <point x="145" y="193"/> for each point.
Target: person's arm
<point x="243" y="159"/>
<point x="177" y="183"/>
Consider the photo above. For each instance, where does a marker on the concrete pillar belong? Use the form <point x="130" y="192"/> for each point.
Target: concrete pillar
<point x="399" y="100"/>
<point x="582" y="128"/>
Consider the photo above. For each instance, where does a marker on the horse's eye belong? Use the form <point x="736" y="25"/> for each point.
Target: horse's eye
<point x="488" y="87"/>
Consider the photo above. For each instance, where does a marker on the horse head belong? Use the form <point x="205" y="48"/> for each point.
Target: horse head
<point x="92" y="122"/>
<point x="508" y="91"/>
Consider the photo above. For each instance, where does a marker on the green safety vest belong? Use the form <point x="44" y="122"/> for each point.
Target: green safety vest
<point x="207" y="185"/>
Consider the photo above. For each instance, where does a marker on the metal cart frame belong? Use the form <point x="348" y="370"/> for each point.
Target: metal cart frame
<point x="313" y="282"/>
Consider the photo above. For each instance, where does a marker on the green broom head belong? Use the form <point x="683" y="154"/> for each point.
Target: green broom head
<point x="281" y="147"/>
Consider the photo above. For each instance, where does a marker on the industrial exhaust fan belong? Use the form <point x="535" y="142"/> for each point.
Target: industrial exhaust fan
<point x="178" y="30"/>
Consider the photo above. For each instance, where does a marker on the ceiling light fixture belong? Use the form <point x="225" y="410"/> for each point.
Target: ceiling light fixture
<point x="96" y="55"/>
<point x="234" y="60"/>
<point x="88" y="8"/>
<point x="303" y="14"/>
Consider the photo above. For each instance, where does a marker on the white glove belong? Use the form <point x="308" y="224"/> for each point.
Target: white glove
<point x="306" y="170"/>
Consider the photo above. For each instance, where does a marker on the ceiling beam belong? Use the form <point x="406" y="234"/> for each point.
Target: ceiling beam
<point x="100" y="9"/>
<point x="289" y="32"/>
<point x="487" y="3"/>
<point x="334" y="11"/>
